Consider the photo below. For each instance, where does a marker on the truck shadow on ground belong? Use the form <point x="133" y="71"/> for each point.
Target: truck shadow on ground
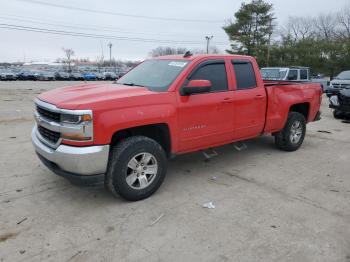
<point x="183" y="165"/>
<point x="186" y="164"/>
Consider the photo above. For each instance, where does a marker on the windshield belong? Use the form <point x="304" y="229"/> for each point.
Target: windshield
<point x="156" y="75"/>
<point x="344" y="75"/>
<point x="274" y="73"/>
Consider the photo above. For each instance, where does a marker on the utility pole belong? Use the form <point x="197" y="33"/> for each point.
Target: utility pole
<point x="269" y="43"/>
<point x="208" y="38"/>
<point x="110" y="53"/>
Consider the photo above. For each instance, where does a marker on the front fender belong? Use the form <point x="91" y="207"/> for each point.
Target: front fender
<point x="112" y="121"/>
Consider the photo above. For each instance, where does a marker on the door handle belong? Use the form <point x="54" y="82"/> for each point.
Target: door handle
<point x="258" y="97"/>
<point x="227" y="100"/>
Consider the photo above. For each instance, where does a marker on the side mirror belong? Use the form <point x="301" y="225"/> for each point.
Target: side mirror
<point x="196" y="87"/>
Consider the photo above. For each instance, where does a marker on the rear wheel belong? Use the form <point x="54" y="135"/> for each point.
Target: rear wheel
<point x="293" y="134"/>
<point x="136" y="169"/>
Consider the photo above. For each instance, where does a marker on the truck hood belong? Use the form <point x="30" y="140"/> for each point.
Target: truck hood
<point x="88" y="96"/>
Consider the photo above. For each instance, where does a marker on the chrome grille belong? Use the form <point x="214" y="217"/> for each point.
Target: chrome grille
<point x="341" y="86"/>
<point x="51" y="136"/>
<point x="53" y="116"/>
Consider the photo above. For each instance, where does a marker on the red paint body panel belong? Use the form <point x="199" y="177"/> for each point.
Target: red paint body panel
<point x="282" y="97"/>
<point x="195" y="122"/>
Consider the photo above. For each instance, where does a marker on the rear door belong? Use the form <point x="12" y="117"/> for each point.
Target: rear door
<point x="249" y="101"/>
<point x="206" y="119"/>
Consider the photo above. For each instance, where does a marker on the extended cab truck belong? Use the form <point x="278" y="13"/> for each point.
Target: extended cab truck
<point x="123" y="133"/>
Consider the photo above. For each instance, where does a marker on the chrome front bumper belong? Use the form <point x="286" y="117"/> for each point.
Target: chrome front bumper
<point x="81" y="161"/>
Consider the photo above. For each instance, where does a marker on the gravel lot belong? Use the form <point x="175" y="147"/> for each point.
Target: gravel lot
<point x="270" y="205"/>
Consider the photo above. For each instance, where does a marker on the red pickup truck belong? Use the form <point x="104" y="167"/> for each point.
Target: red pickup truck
<point x="123" y="133"/>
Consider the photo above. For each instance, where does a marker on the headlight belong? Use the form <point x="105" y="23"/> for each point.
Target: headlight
<point x="75" y="119"/>
<point x="77" y="125"/>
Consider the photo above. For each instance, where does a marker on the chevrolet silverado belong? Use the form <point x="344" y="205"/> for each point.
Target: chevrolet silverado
<point x="123" y="133"/>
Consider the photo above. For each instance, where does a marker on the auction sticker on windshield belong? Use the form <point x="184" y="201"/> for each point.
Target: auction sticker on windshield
<point x="178" y="64"/>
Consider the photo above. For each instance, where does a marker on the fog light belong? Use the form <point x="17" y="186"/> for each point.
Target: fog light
<point x="76" y="137"/>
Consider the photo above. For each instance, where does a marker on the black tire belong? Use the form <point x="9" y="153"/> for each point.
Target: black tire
<point x="283" y="139"/>
<point x="118" y="168"/>
<point x="338" y="114"/>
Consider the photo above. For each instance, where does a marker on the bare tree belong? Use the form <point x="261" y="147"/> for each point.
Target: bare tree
<point x="99" y="62"/>
<point x="325" y="25"/>
<point x="161" y="51"/>
<point x="212" y="50"/>
<point x="344" y="23"/>
<point x="298" y="28"/>
<point x="306" y="28"/>
<point x="69" y="54"/>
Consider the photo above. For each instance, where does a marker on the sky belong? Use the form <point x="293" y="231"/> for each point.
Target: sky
<point x="134" y="27"/>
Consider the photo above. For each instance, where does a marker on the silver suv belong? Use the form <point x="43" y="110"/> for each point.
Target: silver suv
<point x="341" y="81"/>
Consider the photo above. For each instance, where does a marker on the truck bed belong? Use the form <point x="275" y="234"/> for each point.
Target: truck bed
<point x="282" y="95"/>
<point x="268" y="83"/>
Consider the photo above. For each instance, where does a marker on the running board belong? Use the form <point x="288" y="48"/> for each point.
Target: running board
<point x="240" y="146"/>
<point x="210" y="153"/>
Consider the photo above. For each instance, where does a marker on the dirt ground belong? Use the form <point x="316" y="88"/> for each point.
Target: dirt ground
<point x="270" y="205"/>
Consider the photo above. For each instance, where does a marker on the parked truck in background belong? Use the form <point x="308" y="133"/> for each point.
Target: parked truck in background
<point x="122" y="134"/>
<point x="295" y="74"/>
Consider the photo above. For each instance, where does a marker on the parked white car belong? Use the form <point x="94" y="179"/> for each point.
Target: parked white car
<point x="110" y="76"/>
<point x="7" y="75"/>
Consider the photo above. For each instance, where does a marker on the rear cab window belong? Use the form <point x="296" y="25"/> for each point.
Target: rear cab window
<point x="293" y="75"/>
<point x="304" y="74"/>
<point x="245" y="75"/>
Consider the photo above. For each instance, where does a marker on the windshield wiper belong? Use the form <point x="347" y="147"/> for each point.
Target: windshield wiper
<point x="132" y="84"/>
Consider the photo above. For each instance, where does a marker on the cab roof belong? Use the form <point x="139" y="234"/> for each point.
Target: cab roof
<point x="195" y="57"/>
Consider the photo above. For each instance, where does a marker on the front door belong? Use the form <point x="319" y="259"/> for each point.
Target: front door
<point x="206" y="119"/>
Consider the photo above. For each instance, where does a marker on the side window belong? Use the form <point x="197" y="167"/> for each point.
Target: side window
<point x="293" y="75"/>
<point x="215" y="73"/>
<point x="303" y="74"/>
<point x="245" y="75"/>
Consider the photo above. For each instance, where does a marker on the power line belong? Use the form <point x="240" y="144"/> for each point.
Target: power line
<point x="79" y="26"/>
<point x="119" y="14"/>
<point x="97" y="36"/>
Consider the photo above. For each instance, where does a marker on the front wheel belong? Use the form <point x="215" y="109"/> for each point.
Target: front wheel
<point x="293" y="134"/>
<point x="136" y="168"/>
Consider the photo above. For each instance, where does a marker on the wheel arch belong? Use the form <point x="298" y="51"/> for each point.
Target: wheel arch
<point x="302" y="108"/>
<point x="159" y="132"/>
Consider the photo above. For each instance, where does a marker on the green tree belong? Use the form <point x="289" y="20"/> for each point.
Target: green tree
<point x="251" y="30"/>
